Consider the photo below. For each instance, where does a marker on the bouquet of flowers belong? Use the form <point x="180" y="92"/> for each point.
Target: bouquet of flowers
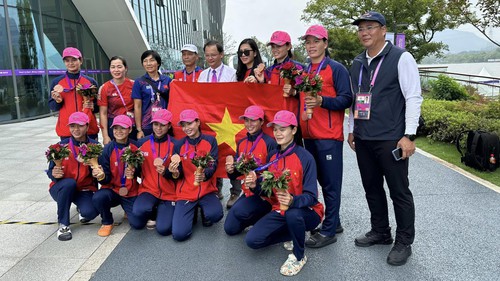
<point x="246" y="163"/>
<point x="87" y="91"/>
<point x="201" y="159"/>
<point x="288" y="71"/>
<point x="57" y="153"/>
<point x="133" y="156"/>
<point x="89" y="153"/>
<point x="275" y="180"/>
<point x="310" y="84"/>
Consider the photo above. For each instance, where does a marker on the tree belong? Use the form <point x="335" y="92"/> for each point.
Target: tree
<point x="489" y="15"/>
<point x="419" y="19"/>
<point x="300" y="53"/>
<point x="344" y="46"/>
<point x="265" y="52"/>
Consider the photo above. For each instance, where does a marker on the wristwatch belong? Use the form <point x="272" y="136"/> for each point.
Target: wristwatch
<point x="411" y="137"/>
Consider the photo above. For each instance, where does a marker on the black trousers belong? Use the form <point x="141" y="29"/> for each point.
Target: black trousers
<point x="376" y="162"/>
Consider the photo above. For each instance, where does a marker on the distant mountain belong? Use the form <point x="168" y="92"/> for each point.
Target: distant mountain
<point x="462" y="41"/>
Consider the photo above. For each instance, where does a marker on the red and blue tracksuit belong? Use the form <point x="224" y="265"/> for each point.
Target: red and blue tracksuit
<point x="156" y="190"/>
<point x="77" y="186"/>
<point x="304" y="214"/>
<point x="190" y="196"/>
<point x="150" y="99"/>
<point x="324" y="135"/>
<point x="183" y="75"/>
<point x="250" y="207"/>
<point x="72" y="102"/>
<point x="108" y="196"/>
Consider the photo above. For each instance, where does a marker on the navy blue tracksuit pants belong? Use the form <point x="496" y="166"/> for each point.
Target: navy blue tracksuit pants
<point x="245" y="212"/>
<point x="143" y="208"/>
<point x="182" y="226"/>
<point x="105" y="199"/>
<point x="329" y="162"/>
<point x="64" y="193"/>
<point x="274" y="228"/>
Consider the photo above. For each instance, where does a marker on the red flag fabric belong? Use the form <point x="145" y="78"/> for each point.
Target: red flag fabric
<point x="219" y="106"/>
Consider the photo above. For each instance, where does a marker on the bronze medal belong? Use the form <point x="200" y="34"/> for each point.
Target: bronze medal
<point x="123" y="191"/>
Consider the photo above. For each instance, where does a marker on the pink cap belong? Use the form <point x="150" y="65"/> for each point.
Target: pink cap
<point x="253" y="112"/>
<point x="317" y="31"/>
<point x="280" y="38"/>
<point x="284" y="118"/>
<point x="162" y="116"/>
<point x="72" y="52"/>
<point x="79" y="118"/>
<point x="188" y="115"/>
<point x="123" y="121"/>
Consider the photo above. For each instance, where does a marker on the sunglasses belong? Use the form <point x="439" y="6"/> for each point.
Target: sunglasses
<point x="245" y="52"/>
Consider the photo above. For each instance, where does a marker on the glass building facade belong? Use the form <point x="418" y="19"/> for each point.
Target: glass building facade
<point x="33" y="34"/>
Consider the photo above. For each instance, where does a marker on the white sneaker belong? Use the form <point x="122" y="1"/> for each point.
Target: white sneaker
<point x="292" y="266"/>
<point x="151" y="224"/>
<point x="82" y="219"/>
<point x="288" y="245"/>
<point x="64" y="233"/>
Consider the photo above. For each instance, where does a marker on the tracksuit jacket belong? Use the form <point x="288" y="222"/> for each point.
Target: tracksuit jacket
<point x="187" y="148"/>
<point x="328" y="119"/>
<point x="72" y="102"/>
<point x="112" y="164"/>
<point x="261" y="150"/>
<point x="272" y="75"/>
<point x="302" y="185"/>
<point x="74" y="169"/>
<point x="160" y="186"/>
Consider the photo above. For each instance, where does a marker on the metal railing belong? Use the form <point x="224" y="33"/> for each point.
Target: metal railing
<point x="486" y="86"/>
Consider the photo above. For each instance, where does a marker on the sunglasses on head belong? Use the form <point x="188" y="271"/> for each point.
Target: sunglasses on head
<point x="245" y="52"/>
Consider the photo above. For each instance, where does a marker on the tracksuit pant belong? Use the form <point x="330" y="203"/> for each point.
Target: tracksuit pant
<point x="144" y="207"/>
<point x="245" y="212"/>
<point x="275" y="228"/>
<point x="329" y="162"/>
<point x="182" y="226"/>
<point x="376" y="162"/>
<point x="64" y="192"/>
<point x="104" y="199"/>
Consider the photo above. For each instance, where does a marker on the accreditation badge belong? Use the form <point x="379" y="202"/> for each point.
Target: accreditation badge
<point x="362" y="106"/>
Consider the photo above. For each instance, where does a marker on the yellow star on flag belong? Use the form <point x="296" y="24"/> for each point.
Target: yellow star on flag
<point x="226" y="130"/>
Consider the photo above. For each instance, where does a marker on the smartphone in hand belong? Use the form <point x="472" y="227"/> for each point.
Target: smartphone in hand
<point x="397" y="153"/>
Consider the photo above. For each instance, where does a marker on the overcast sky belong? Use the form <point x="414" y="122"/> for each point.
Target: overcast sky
<point x="261" y="18"/>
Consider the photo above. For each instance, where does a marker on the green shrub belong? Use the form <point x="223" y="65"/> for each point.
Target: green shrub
<point x="445" y="88"/>
<point x="444" y="120"/>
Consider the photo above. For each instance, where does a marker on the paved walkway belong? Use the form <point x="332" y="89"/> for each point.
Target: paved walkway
<point x="457" y="224"/>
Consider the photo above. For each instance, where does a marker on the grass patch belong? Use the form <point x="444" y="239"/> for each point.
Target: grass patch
<point x="449" y="153"/>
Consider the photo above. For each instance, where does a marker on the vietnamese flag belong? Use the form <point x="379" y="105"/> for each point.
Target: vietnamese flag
<point x="219" y="106"/>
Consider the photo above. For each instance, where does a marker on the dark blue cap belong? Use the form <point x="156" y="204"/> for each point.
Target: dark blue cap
<point x="370" y="16"/>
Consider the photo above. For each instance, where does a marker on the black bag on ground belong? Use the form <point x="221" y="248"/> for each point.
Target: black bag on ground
<point x="482" y="150"/>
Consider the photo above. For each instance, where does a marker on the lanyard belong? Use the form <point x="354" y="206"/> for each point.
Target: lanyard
<point x="220" y="74"/>
<point x="71" y="87"/>
<point x="373" y="78"/>
<point x="119" y="93"/>
<point x="72" y="146"/>
<point x="254" y="145"/>
<point x="278" y="157"/>
<point x="153" y="93"/>
<point x="186" y="73"/>
<point x="121" y="168"/>
<point x="153" y="149"/>
<point x="319" y="68"/>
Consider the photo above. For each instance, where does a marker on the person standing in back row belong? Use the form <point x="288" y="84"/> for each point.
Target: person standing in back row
<point x="384" y="116"/>
<point x="191" y="71"/>
<point x="219" y="72"/>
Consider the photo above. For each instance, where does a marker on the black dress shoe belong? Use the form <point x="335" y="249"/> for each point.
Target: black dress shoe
<point x="371" y="238"/>
<point x="399" y="254"/>
<point x="319" y="240"/>
<point x="338" y="230"/>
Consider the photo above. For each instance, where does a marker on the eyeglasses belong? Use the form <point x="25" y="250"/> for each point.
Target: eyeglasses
<point x="244" y="52"/>
<point x="368" y="28"/>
